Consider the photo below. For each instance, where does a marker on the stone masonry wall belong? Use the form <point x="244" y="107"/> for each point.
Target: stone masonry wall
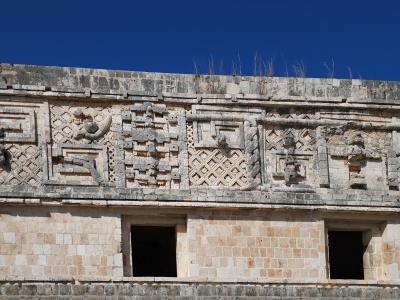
<point x="225" y="245"/>
<point x="50" y="242"/>
<point x="217" y="245"/>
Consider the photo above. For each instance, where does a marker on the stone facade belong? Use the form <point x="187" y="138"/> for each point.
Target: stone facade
<point x="251" y="173"/>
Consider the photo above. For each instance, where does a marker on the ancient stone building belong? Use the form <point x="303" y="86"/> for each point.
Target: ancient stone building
<point x="118" y="184"/>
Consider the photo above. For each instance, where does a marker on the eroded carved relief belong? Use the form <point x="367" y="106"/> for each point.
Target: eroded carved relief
<point x="362" y="153"/>
<point x="356" y="159"/>
<point x="393" y="162"/>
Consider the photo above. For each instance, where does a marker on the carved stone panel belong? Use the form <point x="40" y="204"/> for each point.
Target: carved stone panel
<point x="290" y="156"/>
<point x="152" y="142"/>
<point x="80" y="124"/>
<point x="17" y="124"/>
<point x="77" y="124"/>
<point x="79" y="164"/>
<point x="24" y="165"/>
<point x="214" y="166"/>
<point x="219" y="134"/>
<point x="223" y="147"/>
<point x="23" y="131"/>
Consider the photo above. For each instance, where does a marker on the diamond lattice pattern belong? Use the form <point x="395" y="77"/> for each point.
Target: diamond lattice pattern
<point x="215" y="167"/>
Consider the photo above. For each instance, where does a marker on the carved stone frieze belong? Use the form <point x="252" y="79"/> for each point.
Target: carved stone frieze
<point x="23" y="130"/>
<point x="143" y="139"/>
<point x="290" y="113"/>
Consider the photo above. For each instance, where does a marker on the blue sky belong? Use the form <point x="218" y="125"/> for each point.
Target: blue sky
<point x="172" y="35"/>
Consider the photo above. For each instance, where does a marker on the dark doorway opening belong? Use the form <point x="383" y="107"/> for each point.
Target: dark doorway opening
<point x="153" y="251"/>
<point x="346" y="254"/>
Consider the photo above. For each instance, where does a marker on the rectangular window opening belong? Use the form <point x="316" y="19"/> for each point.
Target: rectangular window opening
<point x="153" y="251"/>
<point x="346" y="252"/>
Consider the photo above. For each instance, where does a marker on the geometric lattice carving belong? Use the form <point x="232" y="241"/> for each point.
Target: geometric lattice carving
<point x="291" y="113"/>
<point x="24" y="166"/>
<point x="215" y="167"/>
<point x="64" y="124"/>
<point x="304" y="138"/>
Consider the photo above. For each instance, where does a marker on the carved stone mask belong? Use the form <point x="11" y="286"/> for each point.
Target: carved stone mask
<point x="357" y="140"/>
<point x="221" y="141"/>
<point x="289" y="141"/>
<point x="90" y="126"/>
<point x="3" y="156"/>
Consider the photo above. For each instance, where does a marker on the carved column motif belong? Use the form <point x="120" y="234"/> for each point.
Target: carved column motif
<point x="252" y="155"/>
<point x="322" y="157"/>
<point x="291" y="169"/>
<point x="393" y="164"/>
<point x="356" y="160"/>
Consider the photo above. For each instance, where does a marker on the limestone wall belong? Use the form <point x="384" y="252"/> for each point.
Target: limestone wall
<point x="53" y="243"/>
<point x="211" y="244"/>
<point x="228" y="246"/>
